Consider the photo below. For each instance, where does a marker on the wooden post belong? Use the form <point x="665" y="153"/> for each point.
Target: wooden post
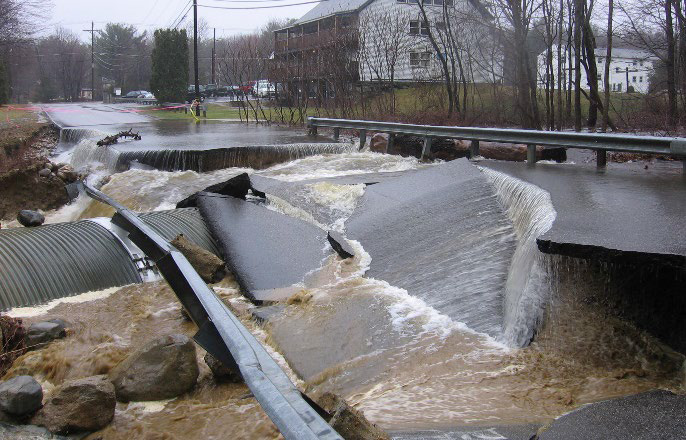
<point x="531" y="154"/>
<point x="474" y="149"/>
<point x="426" y="150"/>
<point x="363" y="138"/>
<point x="390" y="143"/>
<point x="601" y="158"/>
<point x="336" y="133"/>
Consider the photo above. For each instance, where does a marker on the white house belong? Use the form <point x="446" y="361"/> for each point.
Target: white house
<point x="387" y="38"/>
<point x="629" y="69"/>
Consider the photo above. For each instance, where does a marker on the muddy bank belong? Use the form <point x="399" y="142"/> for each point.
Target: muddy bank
<point x="21" y="184"/>
<point x="106" y="330"/>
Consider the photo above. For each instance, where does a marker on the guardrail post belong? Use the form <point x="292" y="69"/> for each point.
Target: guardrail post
<point x="391" y="142"/>
<point x="336" y="133"/>
<point x="601" y="158"/>
<point x="363" y="138"/>
<point x="474" y="149"/>
<point x="531" y="154"/>
<point x="426" y="150"/>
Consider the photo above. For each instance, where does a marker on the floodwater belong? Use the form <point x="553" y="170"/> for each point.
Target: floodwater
<point x="400" y="361"/>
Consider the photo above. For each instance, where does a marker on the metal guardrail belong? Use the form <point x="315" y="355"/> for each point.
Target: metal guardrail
<point x="222" y="334"/>
<point x="600" y="142"/>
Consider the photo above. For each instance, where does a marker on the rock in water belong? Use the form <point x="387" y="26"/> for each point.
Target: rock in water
<point x="44" y="332"/>
<point x="26" y="432"/>
<point x="164" y="368"/>
<point x="78" y="405"/>
<point x="21" y="395"/>
<point x="350" y="423"/>
<point x="67" y="174"/>
<point x="221" y="372"/>
<point x="210" y="267"/>
<point x="379" y="143"/>
<point x="30" y="218"/>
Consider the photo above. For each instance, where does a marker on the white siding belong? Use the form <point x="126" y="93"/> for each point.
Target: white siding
<point x="471" y="35"/>
<point x="639" y="63"/>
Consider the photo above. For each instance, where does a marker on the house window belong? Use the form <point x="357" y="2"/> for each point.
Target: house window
<point x="641" y="63"/>
<point x="635" y="62"/>
<point x="402" y="1"/>
<point x="440" y="25"/>
<point x="420" y="59"/>
<point x="418" y="27"/>
<point x="438" y="2"/>
<point x="619" y="87"/>
<point x="640" y="79"/>
<point x="633" y="79"/>
<point x="600" y="76"/>
<point x="600" y="60"/>
<point x="428" y="2"/>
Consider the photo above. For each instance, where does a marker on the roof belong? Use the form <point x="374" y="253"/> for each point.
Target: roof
<point x="326" y="8"/>
<point x="625" y="53"/>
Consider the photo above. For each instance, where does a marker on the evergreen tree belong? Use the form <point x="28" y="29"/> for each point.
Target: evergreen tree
<point x="169" y="80"/>
<point x="4" y="86"/>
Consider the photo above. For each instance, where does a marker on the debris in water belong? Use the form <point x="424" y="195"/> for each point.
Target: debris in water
<point x="109" y="140"/>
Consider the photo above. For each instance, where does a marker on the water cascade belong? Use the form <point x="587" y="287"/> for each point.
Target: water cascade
<point x="526" y="290"/>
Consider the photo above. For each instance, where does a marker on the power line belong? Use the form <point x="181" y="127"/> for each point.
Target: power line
<point x="184" y="17"/>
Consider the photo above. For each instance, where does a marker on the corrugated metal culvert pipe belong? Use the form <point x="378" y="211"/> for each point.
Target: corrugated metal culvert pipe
<point x="54" y="261"/>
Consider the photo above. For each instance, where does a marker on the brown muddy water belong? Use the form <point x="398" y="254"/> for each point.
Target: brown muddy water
<point x="402" y="363"/>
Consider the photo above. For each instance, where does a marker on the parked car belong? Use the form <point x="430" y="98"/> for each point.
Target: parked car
<point x="223" y="90"/>
<point x="133" y="94"/>
<point x="265" y="89"/>
<point x="190" y="95"/>
<point x="211" y="90"/>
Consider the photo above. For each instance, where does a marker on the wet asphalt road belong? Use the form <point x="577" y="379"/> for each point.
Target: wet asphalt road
<point x="622" y="212"/>
<point x="171" y="134"/>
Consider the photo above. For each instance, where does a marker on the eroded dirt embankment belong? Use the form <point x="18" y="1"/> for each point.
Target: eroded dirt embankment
<point x="21" y="160"/>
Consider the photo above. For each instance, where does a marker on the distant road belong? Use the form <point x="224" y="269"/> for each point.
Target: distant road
<point x="92" y="113"/>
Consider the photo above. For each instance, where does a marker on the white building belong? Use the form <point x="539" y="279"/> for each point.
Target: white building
<point x="389" y="38"/>
<point x="630" y="69"/>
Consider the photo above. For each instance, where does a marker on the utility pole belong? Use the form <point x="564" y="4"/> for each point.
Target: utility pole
<point x="195" y="55"/>
<point x="214" y="51"/>
<point x="92" y="31"/>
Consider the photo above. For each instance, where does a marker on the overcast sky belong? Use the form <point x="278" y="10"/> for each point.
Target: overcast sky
<point x="151" y="14"/>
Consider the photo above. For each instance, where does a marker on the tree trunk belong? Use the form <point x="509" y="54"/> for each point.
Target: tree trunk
<point x="671" y="81"/>
<point x="608" y="58"/>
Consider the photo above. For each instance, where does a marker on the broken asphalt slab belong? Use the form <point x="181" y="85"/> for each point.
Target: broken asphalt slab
<point x="427" y="232"/>
<point x="267" y="251"/>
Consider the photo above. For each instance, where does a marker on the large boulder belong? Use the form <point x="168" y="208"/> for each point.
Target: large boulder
<point x="210" y="267"/>
<point x="164" y="368"/>
<point x="379" y="143"/>
<point x="78" y="405"/>
<point x="20" y="395"/>
<point x="30" y="218"/>
<point x="43" y="332"/>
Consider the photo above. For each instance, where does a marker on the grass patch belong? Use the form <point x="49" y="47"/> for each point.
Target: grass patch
<point x="17" y="128"/>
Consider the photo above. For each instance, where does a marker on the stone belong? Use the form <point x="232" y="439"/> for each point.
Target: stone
<point x="379" y="143"/>
<point x="164" y="368"/>
<point x="78" y="405"/>
<point x="221" y="372"/>
<point x="30" y="218"/>
<point x="44" y="332"/>
<point x="20" y="395"/>
<point x="61" y="322"/>
<point x="26" y="432"/>
<point x="67" y="174"/>
<point x="210" y="267"/>
<point x="45" y="172"/>
<point x="350" y="423"/>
